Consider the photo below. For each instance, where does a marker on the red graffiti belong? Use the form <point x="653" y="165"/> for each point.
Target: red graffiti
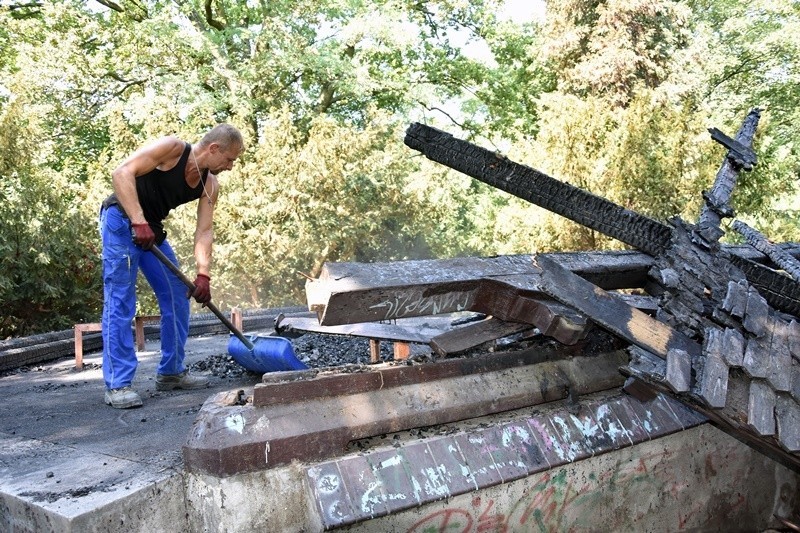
<point x="444" y="521"/>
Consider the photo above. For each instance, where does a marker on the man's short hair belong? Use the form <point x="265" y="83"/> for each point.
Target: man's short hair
<point x="225" y="135"/>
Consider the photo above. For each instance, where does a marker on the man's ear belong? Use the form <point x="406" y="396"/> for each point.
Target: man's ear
<point x="213" y="148"/>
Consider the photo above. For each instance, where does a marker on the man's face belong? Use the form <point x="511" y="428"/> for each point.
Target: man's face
<point x="223" y="159"/>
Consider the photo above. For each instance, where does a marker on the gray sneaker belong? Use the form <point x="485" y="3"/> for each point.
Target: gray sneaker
<point x="180" y="381"/>
<point x="123" y="398"/>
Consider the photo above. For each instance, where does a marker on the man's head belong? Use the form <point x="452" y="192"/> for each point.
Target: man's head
<point x="223" y="144"/>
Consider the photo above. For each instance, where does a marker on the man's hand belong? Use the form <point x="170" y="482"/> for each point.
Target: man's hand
<point x="143" y="235"/>
<point x="202" y="289"/>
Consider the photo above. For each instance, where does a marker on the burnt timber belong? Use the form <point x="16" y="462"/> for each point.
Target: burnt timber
<point x="717" y="327"/>
<point x="727" y="340"/>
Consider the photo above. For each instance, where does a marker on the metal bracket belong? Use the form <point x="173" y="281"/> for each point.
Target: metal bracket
<point x="740" y="155"/>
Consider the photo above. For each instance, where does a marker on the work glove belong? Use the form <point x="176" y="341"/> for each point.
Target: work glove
<point x="143" y="235"/>
<point x="202" y="289"/>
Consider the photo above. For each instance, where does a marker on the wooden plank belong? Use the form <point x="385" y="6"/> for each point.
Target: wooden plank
<point x="787" y="415"/>
<point x="734" y="347"/>
<point x="417" y="329"/>
<point x="755" y="318"/>
<point x="679" y="370"/>
<point x="756" y="356"/>
<point x="761" y="408"/>
<point x="780" y="360"/>
<point x="714" y="380"/>
<point x="349" y="292"/>
<point x="735" y="301"/>
<point x="474" y="334"/>
<point x="359" y="292"/>
<point x="600" y="306"/>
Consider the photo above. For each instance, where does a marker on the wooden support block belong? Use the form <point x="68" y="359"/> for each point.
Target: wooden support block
<point x="139" y="322"/>
<point x="761" y="408"/>
<point x="374" y="350"/>
<point x="639" y="390"/>
<point x="402" y="350"/>
<point x="79" y="330"/>
<point x="679" y="370"/>
<point x="236" y="318"/>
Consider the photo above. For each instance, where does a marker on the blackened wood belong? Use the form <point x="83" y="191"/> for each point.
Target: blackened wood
<point x="784" y="260"/>
<point x="756" y="314"/>
<point x="780" y="291"/>
<point x="756" y="356"/>
<point x="679" y="371"/>
<point x="794" y="339"/>
<point x="733" y="342"/>
<point x="742" y="156"/>
<point x="538" y="188"/>
<point x="787" y="416"/>
<point x="347" y="293"/>
<point x="735" y="301"/>
<point x="780" y="359"/>
<point x="616" y="316"/>
<point x="504" y="299"/>
<point x="761" y="408"/>
<point x="728" y="420"/>
<point x="714" y="379"/>
<point x="718" y="197"/>
<point x="794" y="371"/>
<point x="474" y="334"/>
<point x="639" y="390"/>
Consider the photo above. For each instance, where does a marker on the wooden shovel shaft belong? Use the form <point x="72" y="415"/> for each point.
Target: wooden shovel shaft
<point x="186" y="281"/>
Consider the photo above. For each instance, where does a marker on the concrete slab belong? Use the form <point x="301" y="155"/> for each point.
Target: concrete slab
<point x="68" y="462"/>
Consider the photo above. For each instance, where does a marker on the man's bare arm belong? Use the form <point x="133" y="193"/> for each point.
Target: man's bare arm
<point x="164" y="151"/>
<point x="204" y="233"/>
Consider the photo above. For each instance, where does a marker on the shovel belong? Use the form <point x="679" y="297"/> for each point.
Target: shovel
<point x="257" y="354"/>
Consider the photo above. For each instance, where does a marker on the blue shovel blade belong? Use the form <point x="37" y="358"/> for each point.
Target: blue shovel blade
<point x="269" y="354"/>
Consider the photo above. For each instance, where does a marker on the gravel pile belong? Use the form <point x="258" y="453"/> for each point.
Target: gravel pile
<point x="316" y="351"/>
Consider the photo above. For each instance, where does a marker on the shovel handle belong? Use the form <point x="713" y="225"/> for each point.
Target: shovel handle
<point x="186" y="281"/>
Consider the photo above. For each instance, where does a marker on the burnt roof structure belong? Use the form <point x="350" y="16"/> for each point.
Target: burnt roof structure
<point x="724" y="338"/>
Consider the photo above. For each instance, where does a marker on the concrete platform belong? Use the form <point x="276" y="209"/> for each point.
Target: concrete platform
<point x="69" y="463"/>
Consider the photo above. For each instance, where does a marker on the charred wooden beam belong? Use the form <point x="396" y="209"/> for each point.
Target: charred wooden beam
<point x="613" y="314"/>
<point x="740" y="155"/>
<point x="538" y="188"/>
<point x="762" y="244"/>
<point x="782" y="292"/>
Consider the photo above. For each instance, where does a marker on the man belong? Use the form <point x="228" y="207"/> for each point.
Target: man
<point x="147" y="186"/>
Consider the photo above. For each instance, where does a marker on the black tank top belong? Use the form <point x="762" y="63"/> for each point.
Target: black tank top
<point x="160" y="192"/>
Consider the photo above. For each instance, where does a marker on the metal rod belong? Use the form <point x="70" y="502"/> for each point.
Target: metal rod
<point x="186" y="281"/>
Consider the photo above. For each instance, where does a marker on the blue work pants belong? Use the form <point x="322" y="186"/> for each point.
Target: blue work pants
<point x="121" y="262"/>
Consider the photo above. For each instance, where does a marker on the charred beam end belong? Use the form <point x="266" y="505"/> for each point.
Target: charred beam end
<point x="780" y="291"/>
<point x="784" y="260"/>
<point x="743" y="157"/>
<point x="571" y="202"/>
<point x="716" y="200"/>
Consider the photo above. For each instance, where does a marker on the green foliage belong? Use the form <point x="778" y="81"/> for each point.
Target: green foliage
<point x="48" y="266"/>
<point x="614" y="97"/>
